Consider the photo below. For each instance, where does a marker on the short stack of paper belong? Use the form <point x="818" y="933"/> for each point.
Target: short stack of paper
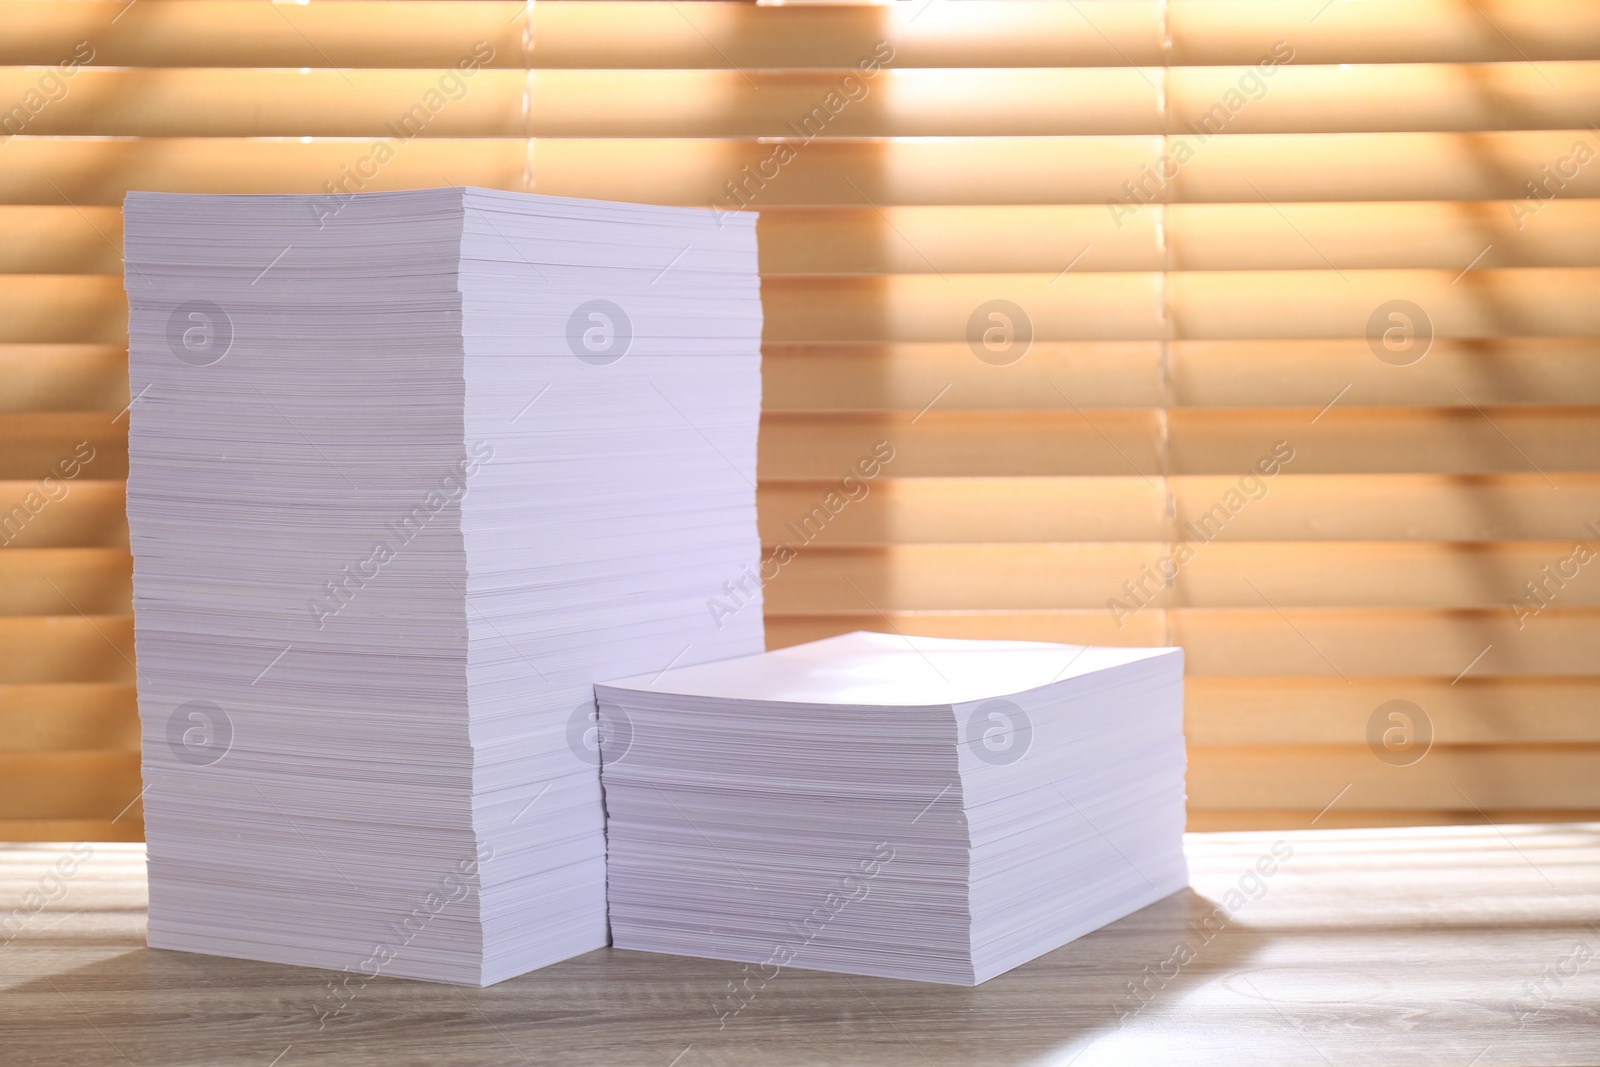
<point x="408" y="472"/>
<point x="906" y="807"/>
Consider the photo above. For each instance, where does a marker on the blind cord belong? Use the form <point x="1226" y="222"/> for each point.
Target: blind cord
<point x="527" y="94"/>
<point x="1164" y="369"/>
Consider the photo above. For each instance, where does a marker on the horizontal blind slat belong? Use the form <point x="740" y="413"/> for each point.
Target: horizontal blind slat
<point x="896" y="510"/>
<point x="1081" y="627"/>
<point x="1299" y="507"/>
<point x="1223" y="820"/>
<point x="87" y="514"/>
<point x="66" y="648"/>
<point x="1294" y="97"/>
<point x="1009" y="239"/>
<point x="1108" y="374"/>
<point x="941" y="443"/>
<point x="1426" y="507"/>
<point x="1012" y="239"/>
<point x="60" y="581"/>
<point x="1333" y="711"/>
<point x="1044" y="33"/>
<point x="67" y="785"/>
<point x="1548" y="441"/>
<point x="1345" y="643"/>
<point x="68" y="717"/>
<point x="1452" y="373"/>
<point x="1331" y="303"/>
<point x="63" y="377"/>
<point x="341" y="33"/>
<point x="67" y="446"/>
<point x="1232" y="373"/>
<point x="1527" y="439"/>
<point x="224" y="102"/>
<point x="1326" y="643"/>
<point x="1125" y="578"/>
<point x="1397" y="31"/>
<point x="994" y="170"/>
<point x="934" y="509"/>
<point x="1551" y="441"/>
<point x="1200" y="304"/>
<point x="1507" y="777"/>
<point x="130" y="827"/>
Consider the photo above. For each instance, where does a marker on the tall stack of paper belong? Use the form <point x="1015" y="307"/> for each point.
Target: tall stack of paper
<point x="906" y="807"/>
<point x="408" y="472"/>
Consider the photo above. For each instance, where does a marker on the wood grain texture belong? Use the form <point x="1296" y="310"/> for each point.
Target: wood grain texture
<point x="1445" y="945"/>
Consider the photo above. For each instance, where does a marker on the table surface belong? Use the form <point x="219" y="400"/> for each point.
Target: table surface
<point x="1451" y="945"/>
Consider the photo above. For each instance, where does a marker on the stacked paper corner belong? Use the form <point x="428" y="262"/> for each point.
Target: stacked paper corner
<point x="912" y="808"/>
<point x="408" y="472"/>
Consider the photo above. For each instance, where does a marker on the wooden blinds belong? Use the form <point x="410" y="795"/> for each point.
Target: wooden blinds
<point x="1263" y="327"/>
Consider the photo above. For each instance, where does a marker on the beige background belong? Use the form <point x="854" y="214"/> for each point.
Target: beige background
<point x="1388" y="160"/>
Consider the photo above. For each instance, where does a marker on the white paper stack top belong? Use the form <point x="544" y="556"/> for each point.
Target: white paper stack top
<point x="908" y="807"/>
<point x="408" y="472"/>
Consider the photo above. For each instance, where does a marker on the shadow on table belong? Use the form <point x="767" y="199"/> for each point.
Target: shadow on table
<point x="615" y="1007"/>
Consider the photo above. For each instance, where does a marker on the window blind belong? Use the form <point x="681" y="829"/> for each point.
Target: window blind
<point x="1263" y="327"/>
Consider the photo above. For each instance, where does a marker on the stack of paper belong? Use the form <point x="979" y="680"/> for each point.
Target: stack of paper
<point x="408" y="472"/>
<point x="906" y="807"/>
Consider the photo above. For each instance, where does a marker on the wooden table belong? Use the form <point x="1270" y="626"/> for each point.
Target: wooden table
<point x="1459" y="945"/>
